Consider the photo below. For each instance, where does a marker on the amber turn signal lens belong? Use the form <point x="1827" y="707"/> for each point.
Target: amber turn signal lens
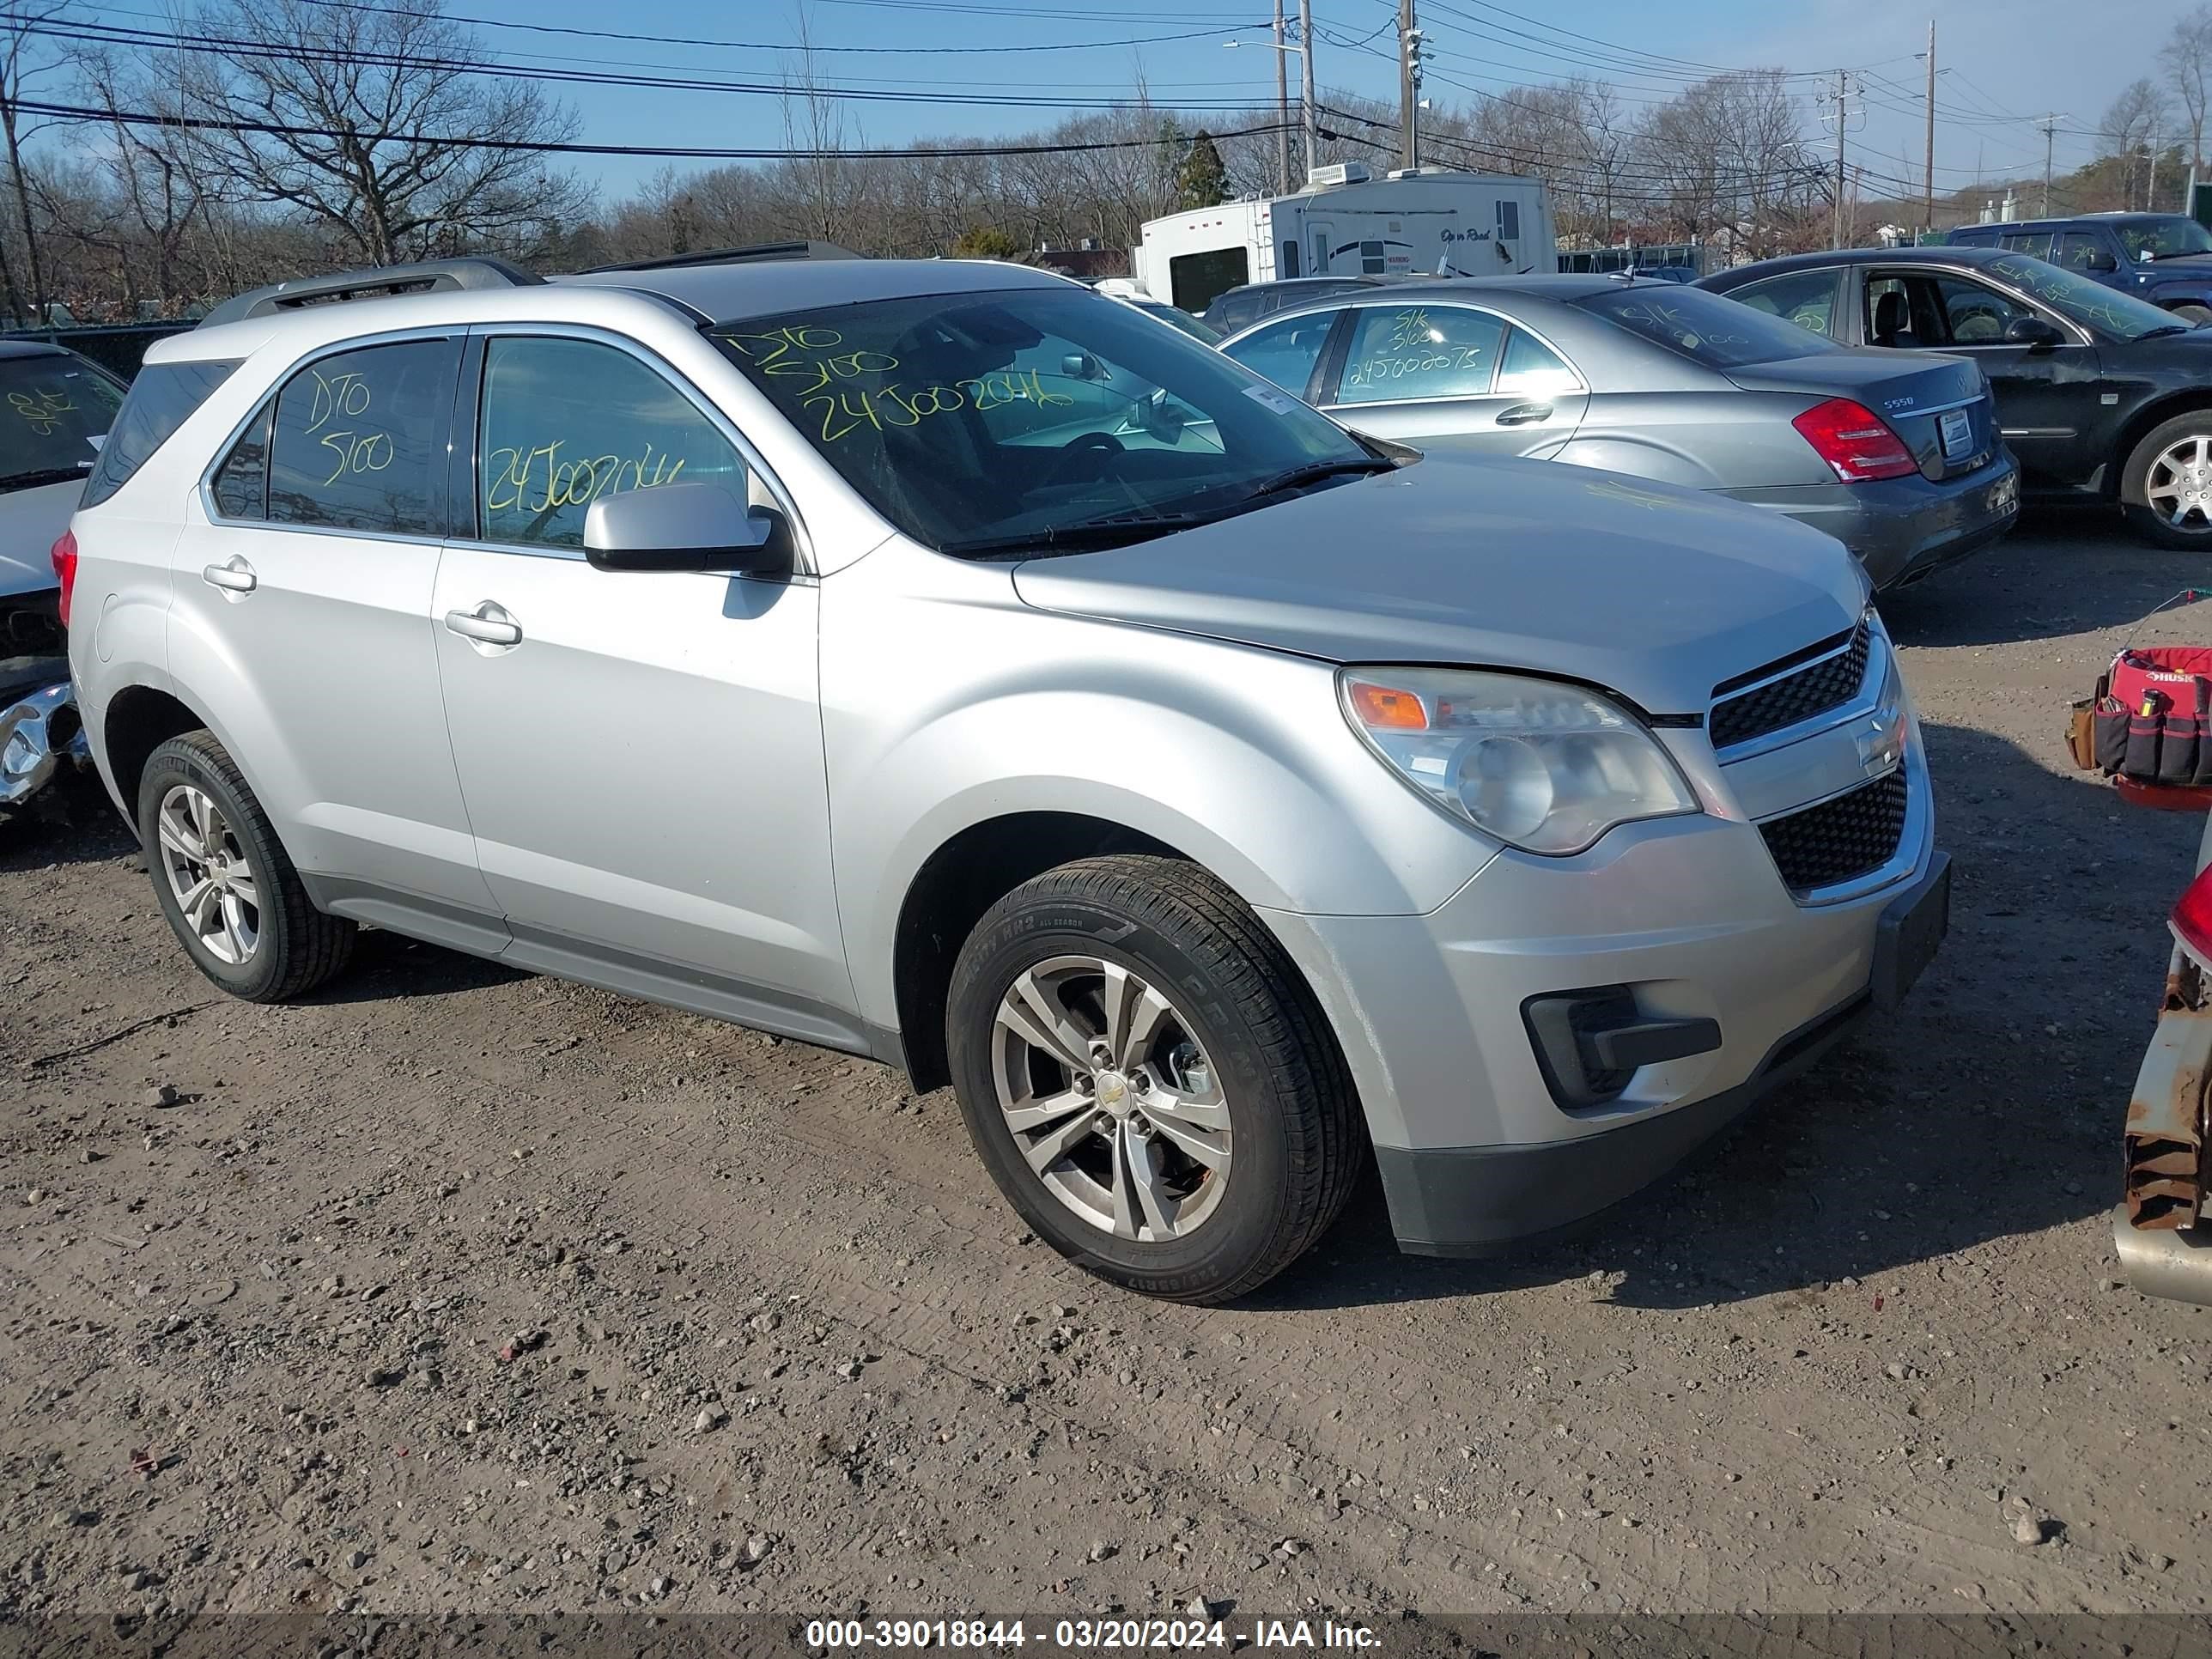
<point x="1386" y="709"/>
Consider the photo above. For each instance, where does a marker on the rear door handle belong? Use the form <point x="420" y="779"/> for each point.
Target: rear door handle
<point x="1524" y="414"/>
<point x="234" y="576"/>
<point x="487" y="624"/>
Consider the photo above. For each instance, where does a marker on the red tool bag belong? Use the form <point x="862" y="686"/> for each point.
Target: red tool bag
<point x="2151" y="719"/>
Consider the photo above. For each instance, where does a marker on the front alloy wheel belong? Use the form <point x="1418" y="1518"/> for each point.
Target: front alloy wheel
<point x="2179" y="485"/>
<point x="208" y="875"/>
<point x="1110" y="1098"/>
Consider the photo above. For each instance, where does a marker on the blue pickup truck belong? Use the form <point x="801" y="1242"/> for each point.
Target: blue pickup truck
<point x="2163" y="258"/>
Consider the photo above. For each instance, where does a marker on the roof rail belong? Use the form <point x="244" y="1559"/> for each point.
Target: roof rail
<point x="380" y="283"/>
<point x="751" y="255"/>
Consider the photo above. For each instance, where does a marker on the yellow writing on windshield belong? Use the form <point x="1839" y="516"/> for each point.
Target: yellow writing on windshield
<point x="845" y="412"/>
<point x="532" y="478"/>
<point x="43" y="409"/>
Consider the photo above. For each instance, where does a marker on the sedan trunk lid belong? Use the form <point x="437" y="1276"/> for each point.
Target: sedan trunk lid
<point x="1913" y="391"/>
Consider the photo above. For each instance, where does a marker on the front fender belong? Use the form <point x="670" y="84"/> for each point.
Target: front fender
<point x="947" y="703"/>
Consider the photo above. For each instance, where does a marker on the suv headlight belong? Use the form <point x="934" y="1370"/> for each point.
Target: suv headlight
<point x="1544" y="766"/>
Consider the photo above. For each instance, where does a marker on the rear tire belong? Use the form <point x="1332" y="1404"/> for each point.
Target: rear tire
<point x="1149" y="1080"/>
<point x="224" y="881"/>
<point x="2165" y="487"/>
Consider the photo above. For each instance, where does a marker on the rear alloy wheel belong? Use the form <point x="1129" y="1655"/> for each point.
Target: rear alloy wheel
<point x="1148" y="1079"/>
<point x="2166" y="489"/>
<point x="224" y="881"/>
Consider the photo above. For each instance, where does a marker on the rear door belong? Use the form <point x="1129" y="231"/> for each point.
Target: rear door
<point x="303" y="581"/>
<point x="2047" y="396"/>
<point x="1443" y="372"/>
<point x="1288" y="350"/>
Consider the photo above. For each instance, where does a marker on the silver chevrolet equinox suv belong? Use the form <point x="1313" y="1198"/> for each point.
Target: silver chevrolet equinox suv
<point x="941" y="663"/>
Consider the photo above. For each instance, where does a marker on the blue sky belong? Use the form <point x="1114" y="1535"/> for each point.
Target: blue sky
<point x="2006" y="59"/>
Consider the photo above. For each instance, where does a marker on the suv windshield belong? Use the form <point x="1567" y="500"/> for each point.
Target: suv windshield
<point x="1032" y="417"/>
<point x="2166" y="238"/>
<point x="52" y="407"/>
<point x="2106" y="309"/>
<point x="1706" y="328"/>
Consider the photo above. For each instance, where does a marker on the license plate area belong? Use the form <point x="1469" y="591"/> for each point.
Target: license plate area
<point x="1956" y="427"/>
<point x="1909" y="934"/>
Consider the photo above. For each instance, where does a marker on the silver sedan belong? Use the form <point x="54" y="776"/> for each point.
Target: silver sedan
<point x="1896" y="454"/>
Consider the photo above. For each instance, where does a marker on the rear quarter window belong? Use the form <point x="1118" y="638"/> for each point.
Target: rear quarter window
<point x="161" y="399"/>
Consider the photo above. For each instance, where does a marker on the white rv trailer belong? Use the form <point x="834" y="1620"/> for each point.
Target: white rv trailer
<point x="1423" y="222"/>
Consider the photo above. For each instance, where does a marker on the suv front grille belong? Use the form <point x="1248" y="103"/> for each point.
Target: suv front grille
<point x="1811" y="690"/>
<point x="1839" y="839"/>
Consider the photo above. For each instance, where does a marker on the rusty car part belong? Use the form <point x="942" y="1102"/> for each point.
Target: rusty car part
<point x="38" y="734"/>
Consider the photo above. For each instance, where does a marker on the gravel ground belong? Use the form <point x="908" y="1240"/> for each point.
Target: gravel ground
<point x="457" y="1290"/>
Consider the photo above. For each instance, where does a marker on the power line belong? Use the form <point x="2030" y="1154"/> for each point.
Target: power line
<point x="289" y="52"/>
<point x="771" y="45"/>
<point x="210" y="124"/>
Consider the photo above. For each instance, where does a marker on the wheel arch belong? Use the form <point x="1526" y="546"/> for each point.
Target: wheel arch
<point x="139" y="719"/>
<point x="964" y="876"/>
<point x="2139" y="426"/>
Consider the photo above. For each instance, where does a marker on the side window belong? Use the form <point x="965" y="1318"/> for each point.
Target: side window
<point x="1289" y="262"/>
<point x="1530" y="368"/>
<point x="1372" y="262"/>
<point x="1806" y="297"/>
<point x="1194" y="278"/>
<point x="1420" y="351"/>
<point x="1509" y="221"/>
<point x="359" y="441"/>
<point x="2081" y="251"/>
<point x="564" y="423"/>
<point x="2036" y="244"/>
<point x="1285" y="351"/>
<point x="241" y="485"/>
<point x="1972" y="314"/>
<point x="160" y="400"/>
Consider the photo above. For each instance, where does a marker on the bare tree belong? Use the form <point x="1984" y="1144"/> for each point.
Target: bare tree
<point x="2129" y="131"/>
<point x="22" y="61"/>
<point x="2187" y="57"/>
<point x="373" y="124"/>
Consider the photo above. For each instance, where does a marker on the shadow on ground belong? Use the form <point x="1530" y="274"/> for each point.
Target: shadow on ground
<point x="2065" y="570"/>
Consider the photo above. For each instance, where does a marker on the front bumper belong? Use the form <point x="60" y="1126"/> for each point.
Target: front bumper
<point x="1902" y="530"/>
<point x="1689" y="914"/>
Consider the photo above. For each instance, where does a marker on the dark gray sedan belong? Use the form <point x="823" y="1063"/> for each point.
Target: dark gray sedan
<point x="1895" y="454"/>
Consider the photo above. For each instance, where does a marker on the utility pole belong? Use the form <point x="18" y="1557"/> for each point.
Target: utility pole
<point x="1930" y="215"/>
<point x="1282" y="108"/>
<point x="1409" y="86"/>
<point x="1843" y="86"/>
<point x="2150" y="190"/>
<point x="1306" y="70"/>
<point x="2050" y="124"/>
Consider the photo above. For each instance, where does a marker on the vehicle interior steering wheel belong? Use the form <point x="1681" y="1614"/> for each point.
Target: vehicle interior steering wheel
<point x="1101" y="444"/>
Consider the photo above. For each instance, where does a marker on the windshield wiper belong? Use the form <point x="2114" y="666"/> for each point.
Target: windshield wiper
<point x="44" y="475"/>
<point x="1313" y="472"/>
<point x="2169" y="328"/>
<point x="1088" y="535"/>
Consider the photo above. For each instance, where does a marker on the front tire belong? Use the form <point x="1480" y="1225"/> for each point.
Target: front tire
<point x="224" y="881"/>
<point x="2166" y="488"/>
<point x="1149" y="1080"/>
<point x="2195" y="316"/>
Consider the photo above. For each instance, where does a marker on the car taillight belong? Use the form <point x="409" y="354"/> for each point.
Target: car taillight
<point x="2192" y="919"/>
<point x="64" y="558"/>
<point x="1855" y="441"/>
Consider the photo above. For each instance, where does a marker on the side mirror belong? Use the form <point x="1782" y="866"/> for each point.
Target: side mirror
<point x="1161" y="417"/>
<point x="1082" y="366"/>
<point x="686" y="526"/>
<point x="2032" y="332"/>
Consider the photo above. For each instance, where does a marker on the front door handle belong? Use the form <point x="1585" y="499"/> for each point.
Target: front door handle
<point x="1524" y="414"/>
<point x="487" y="624"/>
<point x="234" y="576"/>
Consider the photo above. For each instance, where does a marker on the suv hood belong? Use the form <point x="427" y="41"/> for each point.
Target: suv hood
<point x="1653" y="593"/>
<point x="2186" y="267"/>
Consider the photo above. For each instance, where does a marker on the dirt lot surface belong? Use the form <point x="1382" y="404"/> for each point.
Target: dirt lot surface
<point x="454" y="1288"/>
